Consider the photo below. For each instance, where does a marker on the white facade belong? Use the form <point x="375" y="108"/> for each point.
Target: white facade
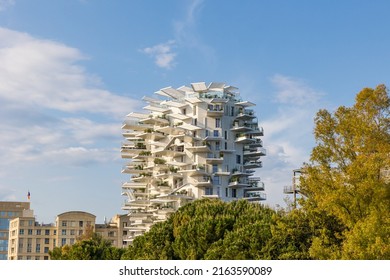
<point x="189" y="143"/>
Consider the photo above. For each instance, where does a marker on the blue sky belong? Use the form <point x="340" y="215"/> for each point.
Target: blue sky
<point x="70" y="70"/>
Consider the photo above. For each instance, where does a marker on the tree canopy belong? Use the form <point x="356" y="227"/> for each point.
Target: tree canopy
<point x="344" y="177"/>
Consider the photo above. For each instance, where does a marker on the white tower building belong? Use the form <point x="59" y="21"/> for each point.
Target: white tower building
<point x="189" y="143"/>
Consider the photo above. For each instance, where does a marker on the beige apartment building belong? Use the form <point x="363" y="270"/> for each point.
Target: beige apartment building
<point x="9" y="210"/>
<point x="30" y="240"/>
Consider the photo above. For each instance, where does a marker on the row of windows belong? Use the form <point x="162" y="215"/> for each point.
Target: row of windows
<point x="37" y="241"/>
<point x="74" y="223"/>
<point x="9" y="214"/>
<point x="37" y="232"/>
<point x="37" y="258"/>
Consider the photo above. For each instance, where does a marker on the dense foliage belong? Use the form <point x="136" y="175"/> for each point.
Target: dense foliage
<point x="346" y="177"/>
<point x="89" y="247"/>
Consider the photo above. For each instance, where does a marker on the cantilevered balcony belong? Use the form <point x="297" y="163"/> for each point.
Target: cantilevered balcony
<point x="255" y="195"/>
<point x="255" y="152"/>
<point x="129" y="150"/>
<point x="244" y="139"/>
<point x="194" y="171"/>
<point x="214" y="158"/>
<point x="237" y="127"/>
<point x="155" y="120"/>
<point x="238" y="183"/>
<point x="215" y="111"/>
<point x="256" y="143"/>
<point x="132" y="169"/>
<point x="253" y="164"/>
<point x="135" y="125"/>
<point x="255" y="184"/>
<point x="245" y="115"/>
<point x="199" y="149"/>
<point x="134" y="185"/>
<point x="202" y="182"/>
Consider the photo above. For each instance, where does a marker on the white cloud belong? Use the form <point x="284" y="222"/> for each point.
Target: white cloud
<point x="293" y="91"/>
<point x="162" y="54"/>
<point x="4" y="4"/>
<point x="44" y="73"/>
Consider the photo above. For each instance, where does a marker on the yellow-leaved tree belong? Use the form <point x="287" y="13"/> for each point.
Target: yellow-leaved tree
<point x="347" y="176"/>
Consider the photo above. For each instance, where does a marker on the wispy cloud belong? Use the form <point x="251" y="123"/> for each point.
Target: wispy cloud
<point x="294" y="91"/>
<point x="163" y="54"/>
<point x="4" y="4"/>
<point x="46" y="74"/>
<point x="185" y="36"/>
<point x="288" y="132"/>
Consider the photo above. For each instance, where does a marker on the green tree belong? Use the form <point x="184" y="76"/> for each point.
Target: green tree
<point x="344" y="176"/>
<point x="89" y="247"/>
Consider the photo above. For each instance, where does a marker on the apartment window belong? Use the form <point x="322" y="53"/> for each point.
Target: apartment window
<point x="225" y="145"/>
<point x="232" y="111"/>
<point x="29" y="245"/>
<point x="38" y="232"/>
<point x="28" y="257"/>
<point x="46" y="258"/>
<point x="63" y="232"/>
<point x="30" y="223"/>
<point x="30" y="231"/>
<point x="46" y="250"/>
<point x="37" y="258"/>
<point x="238" y="159"/>
<point x="225" y="134"/>
<point x="72" y="232"/>
<point x="234" y="192"/>
<point x="47" y="232"/>
<point x="63" y="241"/>
<point x="208" y="191"/>
<point x="216" y="133"/>
<point x="64" y="223"/>
<point x="21" y="232"/>
<point x="215" y="168"/>
<point x="195" y="121"/>
<point x="38" y="248"/>
<point x="81" y="223"/>
<point x="71" y="241"/>
<point x="80" y="232"/>
<point x="21" y="243"/>
<point x="184" y="111"/>
<point x="21" y="223"/>
<point x="54" y="242"/>
<point x="217" y="145"/>
<point x="216" y="180"/>
<point x="207" y="133"/>
<point x="47" y="240"/>
<point x="55" y="232"/>
<point x="217" y="122"/>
